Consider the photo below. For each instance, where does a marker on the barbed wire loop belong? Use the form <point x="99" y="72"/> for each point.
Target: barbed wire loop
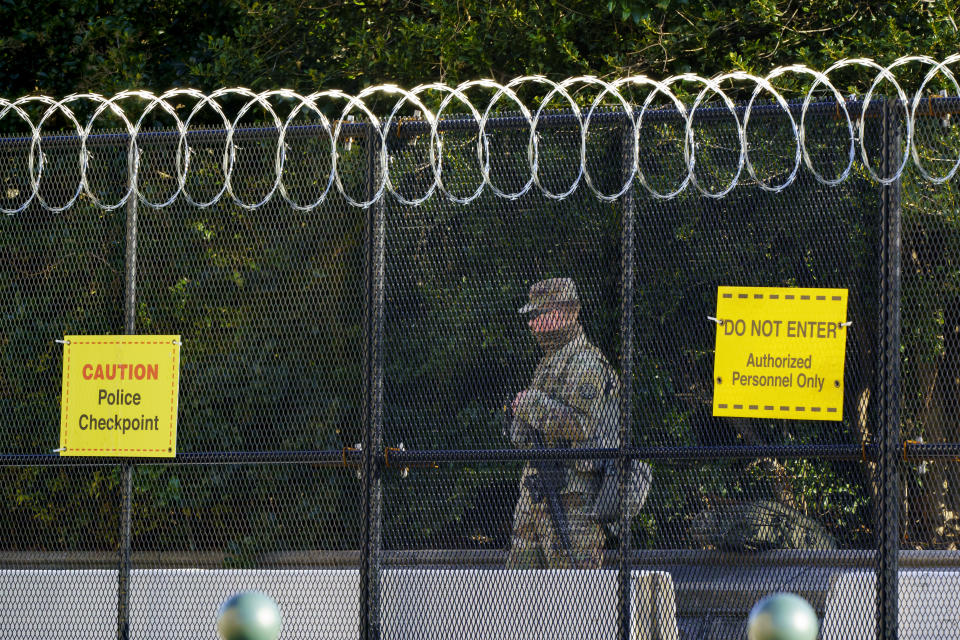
<point x="193" y="176"/>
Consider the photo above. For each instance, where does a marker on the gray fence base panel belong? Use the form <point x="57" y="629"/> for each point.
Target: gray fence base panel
<point x="426" y="604"/>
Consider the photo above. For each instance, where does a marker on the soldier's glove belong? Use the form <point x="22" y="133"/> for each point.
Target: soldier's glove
<point x="535" y="407"/>
<point x="554" y="419"/>
<point x="515" y="429"/>
<point x="521" y="433"/>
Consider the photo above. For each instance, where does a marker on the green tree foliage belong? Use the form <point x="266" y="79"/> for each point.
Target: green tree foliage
<point x="60" y="47"/>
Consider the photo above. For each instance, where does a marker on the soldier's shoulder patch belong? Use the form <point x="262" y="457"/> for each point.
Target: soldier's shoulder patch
<point x="589" y="382"/>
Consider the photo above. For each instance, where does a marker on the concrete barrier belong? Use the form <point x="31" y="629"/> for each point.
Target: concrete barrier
<point x="653" y="606"/>
<point x="181" y="604"/>
<point x="523" y="605"/>
<point x="423" y="604"/>
<point x="41" y="604"/>
<point x="929" y="606"/>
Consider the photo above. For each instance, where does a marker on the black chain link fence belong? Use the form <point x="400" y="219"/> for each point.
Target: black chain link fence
<point x="343" y="444"/>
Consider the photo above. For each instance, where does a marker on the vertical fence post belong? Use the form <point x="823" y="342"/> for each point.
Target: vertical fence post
<point x="126" y="469"/>
<point x="888" y="429"/>
<point x="373" y="399"/>
<point x="627" y="241"/>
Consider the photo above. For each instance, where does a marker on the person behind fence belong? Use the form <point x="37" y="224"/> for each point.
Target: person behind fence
<point x="572" y="401"/>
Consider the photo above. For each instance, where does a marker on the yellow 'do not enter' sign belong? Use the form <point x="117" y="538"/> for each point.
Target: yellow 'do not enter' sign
<point x="119" y="396"/>
<point x="780" y="353"/>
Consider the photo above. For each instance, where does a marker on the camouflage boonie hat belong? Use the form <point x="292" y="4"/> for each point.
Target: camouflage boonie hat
<point x="550" y="294"/>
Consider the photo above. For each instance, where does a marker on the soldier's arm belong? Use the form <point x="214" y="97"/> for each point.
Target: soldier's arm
<point x="553" y="418"/>
<point x="572" y="417"/>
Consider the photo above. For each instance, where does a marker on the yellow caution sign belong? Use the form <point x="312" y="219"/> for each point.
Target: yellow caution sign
<point x="119" y="396"/>
<point x="780" y="353"/>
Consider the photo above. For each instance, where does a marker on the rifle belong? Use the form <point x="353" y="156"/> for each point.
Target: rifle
<point x="545" y="484"/>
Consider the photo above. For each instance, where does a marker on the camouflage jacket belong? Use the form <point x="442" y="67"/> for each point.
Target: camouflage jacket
<point x="574" y="401"/>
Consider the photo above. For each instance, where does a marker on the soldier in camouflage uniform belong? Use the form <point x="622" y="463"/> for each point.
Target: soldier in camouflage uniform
<point x="572" y="401"/>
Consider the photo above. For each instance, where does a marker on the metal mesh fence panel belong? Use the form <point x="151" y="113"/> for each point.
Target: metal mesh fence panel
<point x="821" y="510"/>
<point x="928" y="472"/>
<point x="357" y="383"/>
<point x="457" y="352"/>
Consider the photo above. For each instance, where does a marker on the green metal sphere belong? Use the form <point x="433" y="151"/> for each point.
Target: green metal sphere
<point x="249" y="615"/>
<point x="782" y="616"/>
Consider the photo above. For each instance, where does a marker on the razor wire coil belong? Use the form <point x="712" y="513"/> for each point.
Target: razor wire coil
<point x="384" y="183"/>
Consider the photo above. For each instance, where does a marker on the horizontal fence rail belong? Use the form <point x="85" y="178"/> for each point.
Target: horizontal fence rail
<point x="912" y="452"/>
<point x="397" y="457"/>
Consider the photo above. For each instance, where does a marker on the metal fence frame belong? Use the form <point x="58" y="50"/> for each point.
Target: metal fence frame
<point x="371" y="458"/>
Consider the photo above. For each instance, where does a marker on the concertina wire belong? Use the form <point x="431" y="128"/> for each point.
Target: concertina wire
<point x="582" y="117"/>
